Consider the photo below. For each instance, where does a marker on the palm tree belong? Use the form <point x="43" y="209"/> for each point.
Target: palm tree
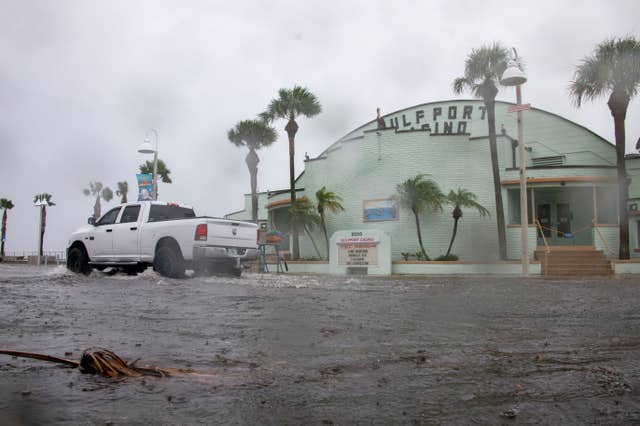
<point x="459" y="199"/>
<point x="254" y="134"/>
<point x="123" y="188"/>
<point x="97" y="190"/>
<point x="44" y="201"/>
<point x="302" y="215"/>
<point x="290" y="104"/>
<point x="327" y="200"/>
<point x="6" y="205"/>
<point x="419" y="195"/>
<point x="482" y="72"/>
<point x="614" y="69"/>
<point x="163" y="171"/>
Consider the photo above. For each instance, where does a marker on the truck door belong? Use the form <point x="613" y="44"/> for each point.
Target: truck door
<point x="101" y="247"/>
<point x="125" y="234"/>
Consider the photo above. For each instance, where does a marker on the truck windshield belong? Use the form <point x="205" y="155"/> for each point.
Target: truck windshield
<point x="159" y="213"/>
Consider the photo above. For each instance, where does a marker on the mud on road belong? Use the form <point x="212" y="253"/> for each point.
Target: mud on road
<point x="291" y="349"/>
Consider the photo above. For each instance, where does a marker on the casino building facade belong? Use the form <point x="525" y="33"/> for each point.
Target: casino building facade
<point x="571" y="171"/>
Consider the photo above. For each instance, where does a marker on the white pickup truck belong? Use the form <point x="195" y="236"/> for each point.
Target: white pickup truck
<point x="167" y="236"/>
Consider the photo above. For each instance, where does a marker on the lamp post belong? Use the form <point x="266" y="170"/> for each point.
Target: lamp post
<point x="513" y="76"/>
<point x="147" y="148"/>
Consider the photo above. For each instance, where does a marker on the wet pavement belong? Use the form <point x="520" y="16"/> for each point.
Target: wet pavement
<point x="293" y="349"/>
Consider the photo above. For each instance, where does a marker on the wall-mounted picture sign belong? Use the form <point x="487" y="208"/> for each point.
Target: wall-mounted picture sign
<point x="380" y="210"/>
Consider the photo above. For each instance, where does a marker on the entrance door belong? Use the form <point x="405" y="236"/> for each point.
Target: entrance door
<point x="555" y="219"/>
<point x="564" y="220"/>
<point x="544" y="217"/>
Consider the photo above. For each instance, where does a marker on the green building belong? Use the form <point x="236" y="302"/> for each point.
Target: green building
<point x="571" y="172"/>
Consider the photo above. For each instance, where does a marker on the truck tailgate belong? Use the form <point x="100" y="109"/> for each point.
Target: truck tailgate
<point x="227" y="233"/>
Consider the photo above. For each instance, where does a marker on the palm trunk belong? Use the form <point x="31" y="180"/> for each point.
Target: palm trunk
<point x="324" y="231"/>
<point x="618" y="104"/>
<point x="3" y="233"/>
<point x="96" y="208"/>
<point x="124" y="198"/>
<point x="313" y="242"/>
<point x="424" y="253"/>
<point x="291" y="129"/>
<point x="252" y="161"/>
<point x="497" y="189"/>
<point x="453" y="236"/>
<point x="43" y="225"/>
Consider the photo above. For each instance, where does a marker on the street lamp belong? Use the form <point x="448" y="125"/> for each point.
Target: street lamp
<point x="513" y="76"/>
<point x="147" y="148"/>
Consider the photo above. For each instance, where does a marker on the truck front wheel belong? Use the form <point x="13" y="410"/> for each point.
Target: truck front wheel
<point x="78" y="261"/>
<point x="168" y="263"/>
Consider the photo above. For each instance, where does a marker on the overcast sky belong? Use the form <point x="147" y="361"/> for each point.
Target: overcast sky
<point x="81" y="82"/>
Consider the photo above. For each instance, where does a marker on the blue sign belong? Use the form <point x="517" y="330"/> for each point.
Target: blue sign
<point x="145" y="187"/>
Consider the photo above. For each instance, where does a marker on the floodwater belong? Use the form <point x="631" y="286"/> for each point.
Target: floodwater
<point x="292" y="349"/>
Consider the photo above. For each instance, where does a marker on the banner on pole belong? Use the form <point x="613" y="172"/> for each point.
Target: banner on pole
<point x="145" y="186"/>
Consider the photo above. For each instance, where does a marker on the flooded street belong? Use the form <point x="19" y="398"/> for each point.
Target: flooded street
<point x="292" y="349"/>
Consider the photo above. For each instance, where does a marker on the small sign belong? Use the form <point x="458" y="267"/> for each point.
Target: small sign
<point x="358" y="251"/>
<point x="366" y="251"/>
<point x="516" y="108"/>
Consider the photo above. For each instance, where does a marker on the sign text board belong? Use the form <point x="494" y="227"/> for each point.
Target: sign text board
<point x="355" y="249"/>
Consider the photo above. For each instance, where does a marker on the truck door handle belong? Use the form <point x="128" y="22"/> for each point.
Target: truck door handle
<point x="134" y="228"/>
<point x="109" y="230"/>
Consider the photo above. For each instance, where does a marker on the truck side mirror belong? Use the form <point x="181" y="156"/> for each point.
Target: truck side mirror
<point x="91" y="221"/>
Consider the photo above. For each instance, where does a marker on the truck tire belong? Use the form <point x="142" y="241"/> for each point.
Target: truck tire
<point x="78" y="261"/>
<point x="168" y="263"/>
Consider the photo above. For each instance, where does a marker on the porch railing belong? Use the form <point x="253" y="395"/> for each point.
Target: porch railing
<point x="547" y="250"/>
<point x="612" y="254"/>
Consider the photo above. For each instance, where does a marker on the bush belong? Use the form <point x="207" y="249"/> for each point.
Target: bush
<point x="451" y="257"/>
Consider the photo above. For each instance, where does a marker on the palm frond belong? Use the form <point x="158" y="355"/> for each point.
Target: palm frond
<point x="254" y="134"/>
<point x="483" y="69"/>
<point x="614" y="66"/>
<point x="292" y="103"/>
<point x="6" y="204"/>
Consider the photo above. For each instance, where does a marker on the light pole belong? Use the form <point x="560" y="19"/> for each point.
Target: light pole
<point x="513" y="76"/>
<point x="147" y="148"/>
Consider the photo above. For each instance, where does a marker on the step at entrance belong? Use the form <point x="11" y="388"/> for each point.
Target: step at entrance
<point x="574" y="261"/>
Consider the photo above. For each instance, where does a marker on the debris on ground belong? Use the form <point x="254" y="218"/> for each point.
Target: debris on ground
<point x="99" y="361"/>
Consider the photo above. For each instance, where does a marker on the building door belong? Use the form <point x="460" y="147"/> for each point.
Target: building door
<point x="544" y="217"/>
<point x="555" y="220"/>
<point x="563" y="213"/>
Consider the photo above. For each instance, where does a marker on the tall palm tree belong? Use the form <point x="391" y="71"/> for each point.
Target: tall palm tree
<point x="419" y="195"/>
<point x="254" y="134"/>
<point x="327" y="200"/>
<point x="302" y="215"/>
<point x="290" y="104"/>
<point x="97" y="190"/>
<point x="123" y="188"/>
<point x="613" y="69"/>
<point x="5" y="205"/>
<point x="44" y="201"/>
<point x="459" y="199"/>
<point x="483" y="69"/>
